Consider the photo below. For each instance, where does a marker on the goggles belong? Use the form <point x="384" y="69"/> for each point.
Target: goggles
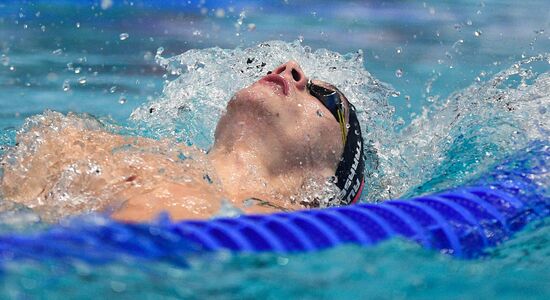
<point x="331" y="98"/>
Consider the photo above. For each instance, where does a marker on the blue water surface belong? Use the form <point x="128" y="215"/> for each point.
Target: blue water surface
<point x="98" y="57"/>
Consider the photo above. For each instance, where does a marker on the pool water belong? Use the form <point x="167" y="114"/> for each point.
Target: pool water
<point x="446" y="89"/>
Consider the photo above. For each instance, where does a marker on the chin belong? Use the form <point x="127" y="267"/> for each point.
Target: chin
<point x="255" y="102"/>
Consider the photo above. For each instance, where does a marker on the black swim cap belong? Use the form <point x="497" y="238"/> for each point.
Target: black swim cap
<point x="350" y="176"/>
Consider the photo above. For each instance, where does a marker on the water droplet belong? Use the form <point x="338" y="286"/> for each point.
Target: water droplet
<point x="122" y="100"/>
<point x="398" y="73"/>
<point x="12" y="68"/>
<point x="395" y="94"/>
<point x="477" y="32"/>
<point x="542" y="110"/>
<point x="282" y="261"/>
<point x="106" y="4"/>
<point x="82" y="80"/>
<point x="160" y="50"/>
<point x="148" y="56"/>
<point x="57" y="52"/>
<point x="220" y="13"/>
<point x="51" y="76"/>
<point x="320" y="113"/>
<point x="123" y="36"/>
<point x="347" y="126"/>
<point x="5" y="60"/>
<point x="66" y="86"/>
<point x="407" y="97"/>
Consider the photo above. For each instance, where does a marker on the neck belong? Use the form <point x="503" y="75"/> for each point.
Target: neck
<point x="245" y="173"/>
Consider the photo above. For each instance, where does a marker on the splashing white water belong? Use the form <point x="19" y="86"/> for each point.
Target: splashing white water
<point x="485" y="121"/>
<point x="448" y="144"/>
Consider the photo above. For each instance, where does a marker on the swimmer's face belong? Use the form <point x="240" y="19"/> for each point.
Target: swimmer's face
<point x="279" y="113"/>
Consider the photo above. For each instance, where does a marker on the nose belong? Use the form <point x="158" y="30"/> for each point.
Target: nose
<point x="293" y="73"/>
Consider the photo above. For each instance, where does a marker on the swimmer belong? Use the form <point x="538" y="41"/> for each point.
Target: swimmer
<point x="276" y="135"/>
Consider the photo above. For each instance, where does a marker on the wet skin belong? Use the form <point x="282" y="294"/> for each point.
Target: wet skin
<point x="272" y="138"/>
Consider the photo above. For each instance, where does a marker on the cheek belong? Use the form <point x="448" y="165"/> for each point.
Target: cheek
<point x="322" y="131"/>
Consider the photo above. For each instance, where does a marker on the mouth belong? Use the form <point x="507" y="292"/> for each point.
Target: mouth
<point x="278" y="82"/>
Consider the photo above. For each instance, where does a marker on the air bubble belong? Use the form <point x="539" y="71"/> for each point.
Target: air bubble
<point x="112" y="89"/>
<point x="477" y="33"/>
<point x="77" y="70"/>
<point x="57" y="52"/>
<point x="66" y="86"/>
<point x="398" y="50"/>
<point x="5" y="60"/>
<point x="542" y="110"/>
<point x="148" y="56"/>
<point x="82" y="80"/>
<point x="398" y="73"/>
<point x="124" y="36"/>
<point x="395" y="94"/>
<point x="122" y="100"/>
<point x="220" y="13"/>
<point x="160" y="50"/>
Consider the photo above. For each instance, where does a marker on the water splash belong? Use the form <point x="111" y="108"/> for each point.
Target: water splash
<point x="453" y="141"/>
<point x="448" y="143"/>
<point x="206" y="79"/>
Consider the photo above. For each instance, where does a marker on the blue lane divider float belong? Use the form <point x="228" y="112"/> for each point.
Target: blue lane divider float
<point x="461" y="222"/>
